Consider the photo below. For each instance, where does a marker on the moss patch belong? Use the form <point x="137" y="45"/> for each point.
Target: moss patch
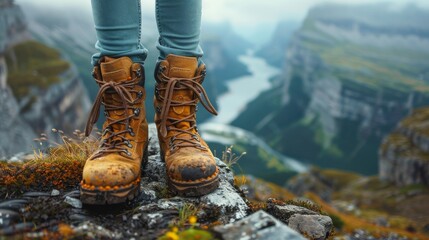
<point x="33" y="65"/>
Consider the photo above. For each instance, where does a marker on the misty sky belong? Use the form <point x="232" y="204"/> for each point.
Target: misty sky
<point x="248" y="17"/>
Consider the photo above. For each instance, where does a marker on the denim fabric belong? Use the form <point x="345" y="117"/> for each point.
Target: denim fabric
<point x="179" y="24"/>
<point x="118" y="28"/>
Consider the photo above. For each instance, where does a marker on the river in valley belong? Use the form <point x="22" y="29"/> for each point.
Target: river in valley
<point x="244" y="89"/>
<point x="241" y="91"/>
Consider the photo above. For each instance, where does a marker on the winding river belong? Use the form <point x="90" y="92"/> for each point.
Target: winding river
<point x="244" y="89"/>
<point x="241" y="91"/>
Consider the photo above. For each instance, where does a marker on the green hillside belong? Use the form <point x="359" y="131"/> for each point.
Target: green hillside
<point x="33" y="65"/>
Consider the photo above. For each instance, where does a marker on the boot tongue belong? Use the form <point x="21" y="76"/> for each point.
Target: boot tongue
<point x="181" y="67"/>
<point x="116" y="70"/>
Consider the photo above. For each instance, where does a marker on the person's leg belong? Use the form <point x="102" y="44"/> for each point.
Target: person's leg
<point x="179" y="24"/>
<point x="118" y="29"/>
<point x="191" y="167"/>
<point x="113" y="173"/>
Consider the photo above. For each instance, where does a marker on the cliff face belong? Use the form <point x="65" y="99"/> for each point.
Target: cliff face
<point x="12" y="25"/>
<point x="39" y="89"/>
<point x="404" y="155"/>
<point x="351" y="74"/>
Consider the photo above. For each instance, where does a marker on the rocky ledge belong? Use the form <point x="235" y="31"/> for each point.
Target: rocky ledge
<point x="224" y="213"/>
<point x="404" y="155"/>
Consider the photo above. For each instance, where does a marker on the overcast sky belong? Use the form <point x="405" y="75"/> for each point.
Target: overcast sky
<point x="246" y="11"/>
<point x="245" y="15"/>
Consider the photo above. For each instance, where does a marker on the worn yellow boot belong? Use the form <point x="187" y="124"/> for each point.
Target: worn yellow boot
<point x="191" y="167"/>
<point x="112" y="174"/>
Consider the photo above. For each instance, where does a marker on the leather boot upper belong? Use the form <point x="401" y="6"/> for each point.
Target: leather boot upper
<point x="118" y="160"/>
<point x="177" y="93"/>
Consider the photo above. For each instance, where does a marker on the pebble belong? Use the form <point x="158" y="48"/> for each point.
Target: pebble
<point x="73" y="194"/>
<point x="78" y="217"/>
<point x="55" y="192"/>
<point x="136" y="216"/>
<point x="15" y="204"/>
<point x="36" y="194"/>
<point x="17" y="228"/>
<point x="8" y="217"/>
<point x="76" y="203"/>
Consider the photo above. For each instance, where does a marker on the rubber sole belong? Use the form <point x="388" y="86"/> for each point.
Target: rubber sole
<point x="193" y="189"/>
<point x="95" y="195"/>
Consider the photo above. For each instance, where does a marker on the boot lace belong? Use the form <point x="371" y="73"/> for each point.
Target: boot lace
<point x="115" y="141"/>
<point x="168" y="123"/>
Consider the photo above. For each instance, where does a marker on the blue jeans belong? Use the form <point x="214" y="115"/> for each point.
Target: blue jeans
<point x="118" y="28"/>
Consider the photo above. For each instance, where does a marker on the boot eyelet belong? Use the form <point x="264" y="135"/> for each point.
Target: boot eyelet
<point x="127" y="152"/>
<point x="195" y="136"/>
<point x="130" y="131"/>
<point x="156" y="92"/>
<point x="158" y="109"/>
<point x="106" y="114"/>
<point x="140" y="94"/>
<point x="137" y="112"/>
<point x="196" y="128"/>
<point x="129" y="145"/>
<point x="139" y="72"/>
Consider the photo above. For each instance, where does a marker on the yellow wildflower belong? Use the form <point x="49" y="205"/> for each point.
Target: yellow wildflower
<point x="192" y="220"/>
<point x="172" y="236"/>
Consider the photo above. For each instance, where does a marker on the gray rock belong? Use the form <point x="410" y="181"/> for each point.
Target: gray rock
<point x="154" y="219"/>
<point x="73" y="194"/>
<point x="147" y="195"/>
<point x="78" y="217"/>
<point x="259" y="225"/>
<point x="76" y="203"/>
<point x="312" y="226"/>
<point x="55" y="192"/>
<point x="283" y="213"/>
<point x="225" y="201"/>
<point x="16" y="228"/>
<point x="14" y="204"/>
<point x="36" y="194"/>
<point x="8" y="217"/>
<point x="93" y="231"/>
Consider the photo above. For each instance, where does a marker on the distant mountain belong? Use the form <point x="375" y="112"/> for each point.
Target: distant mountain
<point x="274" y="51"/>
<point x="350" y="74"/>
<point x="233" y="43"/>
<point x="39" y="90"/>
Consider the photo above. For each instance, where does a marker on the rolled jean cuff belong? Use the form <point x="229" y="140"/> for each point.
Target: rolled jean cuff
<point x="165" y="51"/>
<point x="137" y="56"/>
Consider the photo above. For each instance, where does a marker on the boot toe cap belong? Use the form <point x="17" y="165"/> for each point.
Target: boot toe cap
<point x="102" y="173"/>
<point x="192" y="169"/>
<point x="195" y="173"/>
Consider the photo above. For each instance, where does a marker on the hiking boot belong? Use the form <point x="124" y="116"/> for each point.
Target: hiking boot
<point x="191" y="167"/>
<point x="112" y="174"/>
